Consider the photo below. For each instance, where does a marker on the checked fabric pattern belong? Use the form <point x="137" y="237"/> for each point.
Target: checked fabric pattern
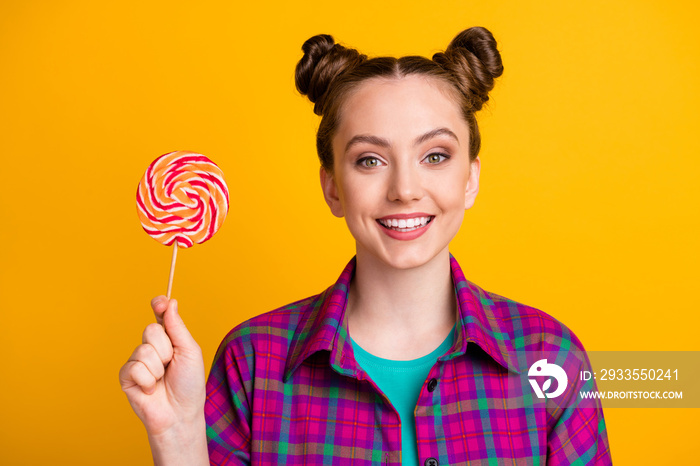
<point x="284" y="388"/>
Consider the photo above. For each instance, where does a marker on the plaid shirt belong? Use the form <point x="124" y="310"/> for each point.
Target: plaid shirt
<point x="285" y="388"/>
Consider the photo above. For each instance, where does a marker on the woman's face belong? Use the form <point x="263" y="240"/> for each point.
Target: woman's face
<point x="402" y="177"/>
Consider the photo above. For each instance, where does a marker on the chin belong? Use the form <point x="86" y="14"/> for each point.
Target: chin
<point x="406" y="260"/>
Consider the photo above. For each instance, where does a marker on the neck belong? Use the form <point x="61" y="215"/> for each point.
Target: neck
<point x="401" y="313"/>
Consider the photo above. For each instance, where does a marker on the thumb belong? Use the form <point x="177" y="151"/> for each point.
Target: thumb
<point x="176" y="329"/>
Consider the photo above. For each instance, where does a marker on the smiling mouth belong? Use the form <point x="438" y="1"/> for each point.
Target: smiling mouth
<point x="405" y="224"/>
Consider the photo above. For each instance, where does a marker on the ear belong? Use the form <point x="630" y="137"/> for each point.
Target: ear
<point x="330" y="192"/>
<point x="472" y="184"/>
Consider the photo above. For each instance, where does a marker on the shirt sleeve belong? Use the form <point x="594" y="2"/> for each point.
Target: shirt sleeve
<point x="228" y="408"/>
<point x="579" y="435"/>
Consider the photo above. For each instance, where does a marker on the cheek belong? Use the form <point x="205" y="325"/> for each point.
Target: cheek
<point x="452" y="193"/>
<point x="355" y="198"/>
<point x="359" y="195"/>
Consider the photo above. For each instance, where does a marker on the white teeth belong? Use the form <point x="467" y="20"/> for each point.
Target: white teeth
<point x="405" y="224"/>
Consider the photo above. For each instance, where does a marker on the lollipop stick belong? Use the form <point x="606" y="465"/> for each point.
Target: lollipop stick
<point x="172" y="269"/>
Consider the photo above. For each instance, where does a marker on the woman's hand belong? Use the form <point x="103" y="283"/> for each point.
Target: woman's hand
<point x="165" y="383"/>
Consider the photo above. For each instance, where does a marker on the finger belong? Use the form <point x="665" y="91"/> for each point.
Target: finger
<point x="176" y="329"/>
<point x="136" y="373"/>
<point x="147" y="355"/>
<point x="159" y="304"/>
<point x="154" y="335"/>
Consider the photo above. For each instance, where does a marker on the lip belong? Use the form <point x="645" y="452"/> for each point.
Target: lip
<point x="404" y="216"/>
<point x="406" y="235"/>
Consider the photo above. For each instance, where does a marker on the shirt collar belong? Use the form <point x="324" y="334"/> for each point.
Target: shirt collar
<point x="322" y="326"/>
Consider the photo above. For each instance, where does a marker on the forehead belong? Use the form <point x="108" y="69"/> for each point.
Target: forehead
<point x="398" y="108"/>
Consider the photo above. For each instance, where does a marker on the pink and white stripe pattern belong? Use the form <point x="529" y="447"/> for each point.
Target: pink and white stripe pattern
<point x="182" y="197"/>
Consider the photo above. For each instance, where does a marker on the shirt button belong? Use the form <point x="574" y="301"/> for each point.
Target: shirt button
<point x="431" y="387"/>
<point x="431" y="461"/>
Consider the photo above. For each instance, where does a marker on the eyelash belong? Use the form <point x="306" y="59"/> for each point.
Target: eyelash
<point x="361" y="162"/>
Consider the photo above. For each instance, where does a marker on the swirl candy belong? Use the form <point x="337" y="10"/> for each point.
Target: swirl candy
<point x="182" y="197"/>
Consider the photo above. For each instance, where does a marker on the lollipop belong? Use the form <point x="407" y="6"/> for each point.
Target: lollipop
<point x="182" y="199"/>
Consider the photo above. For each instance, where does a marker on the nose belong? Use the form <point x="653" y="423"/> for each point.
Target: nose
<point x="404" y="184"/>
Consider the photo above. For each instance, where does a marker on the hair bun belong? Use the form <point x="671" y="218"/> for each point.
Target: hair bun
<point x="473" y="58"/>
<point x="322" y="63"/>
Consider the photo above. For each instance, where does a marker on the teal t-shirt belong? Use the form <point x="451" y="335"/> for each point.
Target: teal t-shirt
<point x="401" y="382"/>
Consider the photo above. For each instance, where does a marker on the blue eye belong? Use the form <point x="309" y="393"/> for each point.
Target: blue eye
<point x="436" y="157"/>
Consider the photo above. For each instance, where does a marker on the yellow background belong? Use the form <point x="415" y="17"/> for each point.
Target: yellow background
<point x="587" y="210"/>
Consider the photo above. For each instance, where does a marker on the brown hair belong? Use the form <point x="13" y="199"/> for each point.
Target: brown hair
<point x="328" y="72"/>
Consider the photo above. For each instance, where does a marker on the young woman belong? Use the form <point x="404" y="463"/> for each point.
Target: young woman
<point x="402" y="360"/>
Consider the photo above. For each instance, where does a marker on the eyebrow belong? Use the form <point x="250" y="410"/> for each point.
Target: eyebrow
<point x="377" y="141"/>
